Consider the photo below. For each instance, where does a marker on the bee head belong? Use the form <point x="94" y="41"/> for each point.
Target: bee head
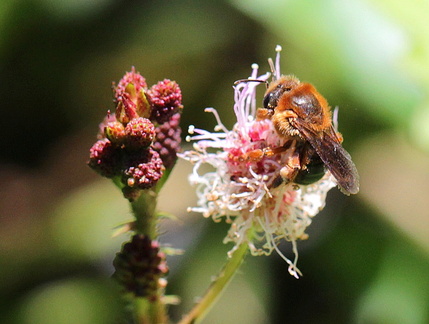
<point x="277" y="88"/>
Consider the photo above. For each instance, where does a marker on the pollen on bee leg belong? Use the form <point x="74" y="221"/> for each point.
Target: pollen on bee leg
<point x="288" y="172"/>
<point x="255" y="155"/>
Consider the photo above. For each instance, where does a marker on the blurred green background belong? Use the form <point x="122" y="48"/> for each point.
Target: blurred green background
<point x="367" y="259"/>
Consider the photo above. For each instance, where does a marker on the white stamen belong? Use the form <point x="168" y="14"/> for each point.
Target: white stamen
<point x="278" y="50"/>
<point x="219" y="125"/>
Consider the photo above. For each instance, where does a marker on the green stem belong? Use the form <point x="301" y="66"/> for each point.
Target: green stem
<point x="144" y="212"/>
<point x="217" y="287"/>
<point x="141" y="311"/>
<point x="144" y="208"/>
<point x="149" y="312"/>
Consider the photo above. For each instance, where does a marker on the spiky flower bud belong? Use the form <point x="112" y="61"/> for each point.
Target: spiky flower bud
<point x="115" y="132"/>
<point x="167" y="141"/>
<point x="103" y="158"/>
<point x="139" y="133"/>
<point x="126" y="109"/>
<point x="130" y="97"/>
<point x="166" y="100"/>
<point x="135" y="79"/>
<point x="144" y="170"/>
<point x="140" y="266"/>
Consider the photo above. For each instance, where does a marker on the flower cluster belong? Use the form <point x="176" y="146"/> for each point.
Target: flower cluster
<point x="245" y="191"/>
<point x="140" y="267"/>
<point x="137" y="143"/>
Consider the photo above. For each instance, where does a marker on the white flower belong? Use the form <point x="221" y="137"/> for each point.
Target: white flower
<point x="240" y="189"/>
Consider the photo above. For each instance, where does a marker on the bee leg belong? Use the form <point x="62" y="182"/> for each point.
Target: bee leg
<point x="277" y="182"/>
<point x="292" y="167"/>
<point x="254" y="156"/>
<point x="269" y="151"/>
<point x="287" y="174"/>
<point x="258" y="154"/>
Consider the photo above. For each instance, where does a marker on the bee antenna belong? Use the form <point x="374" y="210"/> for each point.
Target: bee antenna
<point x="272" y="68"/>
<point x="275" y="68"/>
<point x="251" y="80"/>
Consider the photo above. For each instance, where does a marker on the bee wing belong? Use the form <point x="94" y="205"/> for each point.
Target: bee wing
<point x="336" y="158"/>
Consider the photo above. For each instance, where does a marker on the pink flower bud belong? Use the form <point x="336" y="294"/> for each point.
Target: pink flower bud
<point x="139" y="132"/>
<point x="144" y="170"/>
<point x="126" y="109"/>
<point x="166" y="100"/>
<point x="115" y="132"/>
<point x="135" y="79"/>
<point x="167" y="141"/>
<point x="130" y="97"/>
<point x="104" y="158"/>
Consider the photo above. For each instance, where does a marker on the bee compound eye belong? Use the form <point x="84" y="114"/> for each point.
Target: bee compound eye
<point x="267" y="99"/>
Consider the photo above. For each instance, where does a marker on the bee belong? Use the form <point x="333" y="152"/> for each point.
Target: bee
<point x="302" y="116"/>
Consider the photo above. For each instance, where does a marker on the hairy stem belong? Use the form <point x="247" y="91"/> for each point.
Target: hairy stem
<point x="141" y="311"/>
<point x="147" y="311"/>
<point x="144" y="212"/>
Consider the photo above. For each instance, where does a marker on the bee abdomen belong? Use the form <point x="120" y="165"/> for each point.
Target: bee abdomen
<point x="314" y="171"/>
